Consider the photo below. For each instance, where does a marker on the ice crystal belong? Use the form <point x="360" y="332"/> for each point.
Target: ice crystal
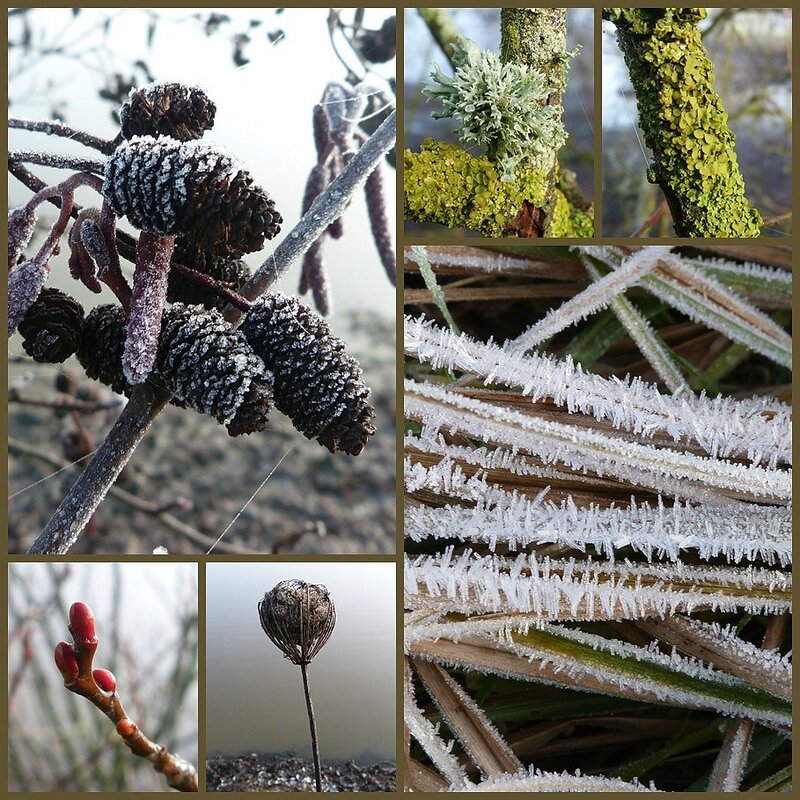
<point x="736" y="532"/>
<point x="592" y="299"/>
<point x="582" y="449"/>
<point x="543" y="588"/>
<point x="756" y="428"/>
<point x="534" y="780"/>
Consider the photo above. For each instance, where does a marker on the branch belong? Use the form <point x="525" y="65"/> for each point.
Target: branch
<point x="329" y="206"/>
<point x="159" y="510"/>
<point x="146" y="402"/>
<point x="57" y="161"/>
<point x="87" y="493"/>
<point x="683" y="122"/>
<point x="74" y="662"/>
<point x="54" y="128"/>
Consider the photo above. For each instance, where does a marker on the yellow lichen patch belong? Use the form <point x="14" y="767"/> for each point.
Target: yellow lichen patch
<point x="684" y="122"/>
<point x="443" y="183"/>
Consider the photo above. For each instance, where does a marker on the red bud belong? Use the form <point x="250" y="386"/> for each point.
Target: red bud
<point x="126" y="728"/>
<point x="81" y="623"/>
<point x="105" y="680"/>
<point x="66" y="662"/>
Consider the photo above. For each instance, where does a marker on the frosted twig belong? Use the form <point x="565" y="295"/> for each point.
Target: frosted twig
<point x="330" y="205"/>
<point x="54" y="160"/>
<point x="56" y="128"/>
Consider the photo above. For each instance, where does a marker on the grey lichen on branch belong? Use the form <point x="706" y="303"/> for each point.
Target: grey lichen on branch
<point x="512" y="105"/>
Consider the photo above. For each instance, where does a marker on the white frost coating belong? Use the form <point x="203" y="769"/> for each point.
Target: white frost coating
<point x="720" y="266"/>
<point x="720" y="638"/>
<point x="21" y="224"/>
<point x="428" y="737"/>
<point x="664" y="690"/>
<point x="534" y="780"/>
<point x="742" y="531"/>
<point x="756" y="428"/>
<point x="466" y="702"/>
<point x="474" y="259"/>
<point x="24" y="285"/>
<point x="561" y="589"/>
<point x="601" y="453"/>
<point x="726" y="775"/>
<point x="597" y="296"/>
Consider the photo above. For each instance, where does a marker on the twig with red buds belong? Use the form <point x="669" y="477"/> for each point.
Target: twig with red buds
<point x="74" y="662"/>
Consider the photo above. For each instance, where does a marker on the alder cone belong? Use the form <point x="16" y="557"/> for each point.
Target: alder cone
<point x="52" y="327"/>
<point x="167" y="109"/>
<point x="205" y="363"/>
<point x="182" y="289"/>
<point x="102" y="346"/>
<point x="317" y="385"/>
<point x="210" y="366"/>
<point x="169" y="187"/>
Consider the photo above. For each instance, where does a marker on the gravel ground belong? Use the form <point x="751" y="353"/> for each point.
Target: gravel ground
<point x="286" y="772"/>
<point x="315" y="502"/>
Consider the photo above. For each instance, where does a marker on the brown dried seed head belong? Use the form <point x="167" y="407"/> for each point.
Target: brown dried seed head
<point x="52" y="327"/>
<point x="298" y="617"/>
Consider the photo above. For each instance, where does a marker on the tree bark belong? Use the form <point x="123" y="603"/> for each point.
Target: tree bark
<point x="683" y="121"/>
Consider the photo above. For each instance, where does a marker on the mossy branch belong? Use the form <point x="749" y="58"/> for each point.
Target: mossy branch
<point x="683" y="121"/>
<point x="514" y="189"/>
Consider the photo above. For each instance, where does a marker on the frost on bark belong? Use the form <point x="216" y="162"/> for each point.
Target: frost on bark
<point x="683" y="121"/>
<point x="492" y="194"/>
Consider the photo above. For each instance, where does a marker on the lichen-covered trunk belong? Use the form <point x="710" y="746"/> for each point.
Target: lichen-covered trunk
<point x="683" y="121"/>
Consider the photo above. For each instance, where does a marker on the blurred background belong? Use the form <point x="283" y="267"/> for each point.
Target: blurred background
<point x="751" y="49"/>
<point x="254" y="696"/>
<point x="265" y="69"/>
<point x="482" y="25"/>
<point x="146" y="618"/>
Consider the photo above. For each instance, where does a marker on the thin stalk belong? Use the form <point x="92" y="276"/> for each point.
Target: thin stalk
<point x="312" y="724"/>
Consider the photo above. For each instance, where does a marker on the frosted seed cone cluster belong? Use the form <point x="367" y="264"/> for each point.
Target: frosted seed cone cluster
<point x="167" y="109"/>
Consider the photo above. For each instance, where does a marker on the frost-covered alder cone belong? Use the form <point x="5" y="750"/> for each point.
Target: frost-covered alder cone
<point x="52" y="327"/>
<point x="169" y="187"/>
<point x="205" y="363"/>
<point x="233" y="272"/>
<point x="167" y="109"/>
<point x="298" y="617"/>
<point x="317" y="385"/>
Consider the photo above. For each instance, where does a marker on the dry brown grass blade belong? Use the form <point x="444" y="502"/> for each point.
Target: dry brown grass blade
<point x="419" y="778"/>
<point x="468" y="723"/>
<point x="679" y="632"/>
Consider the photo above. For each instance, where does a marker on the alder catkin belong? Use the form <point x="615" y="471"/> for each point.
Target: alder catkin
<point x="205" y="363"/>
<point x="52" y="327"/>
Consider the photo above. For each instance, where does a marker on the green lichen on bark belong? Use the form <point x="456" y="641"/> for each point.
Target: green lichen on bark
<point x="445" y="184"/>
<point x="513" y="189"/>
<point x="683" y="121"/>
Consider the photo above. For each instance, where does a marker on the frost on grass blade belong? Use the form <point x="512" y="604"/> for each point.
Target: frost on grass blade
<point x="590" y="300"/>
<point x="736" y="532"/>
<point x="563" y="589"/>
<point x="534" y="780"/>
<point x="757" y="428"/>
<point x="588" y="450"/>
